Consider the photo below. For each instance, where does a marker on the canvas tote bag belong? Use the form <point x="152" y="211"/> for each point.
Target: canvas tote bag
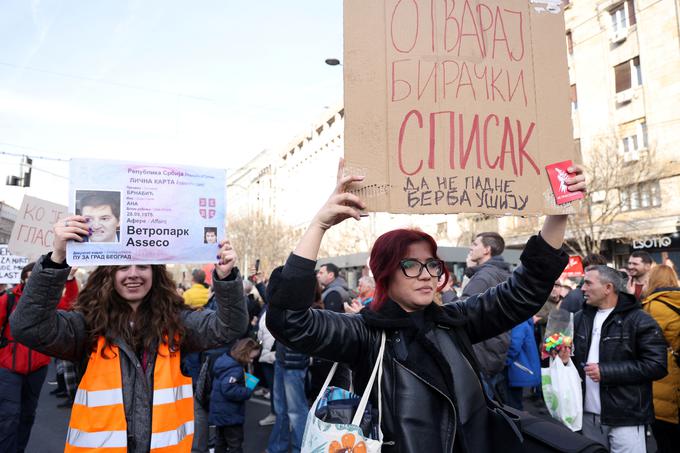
<point x="322" y="437"/>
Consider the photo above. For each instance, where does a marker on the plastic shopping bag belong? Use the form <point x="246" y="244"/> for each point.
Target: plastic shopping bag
<point x="562" y="393"/>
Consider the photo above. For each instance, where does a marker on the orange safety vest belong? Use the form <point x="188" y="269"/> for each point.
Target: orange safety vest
<point x="98" y="418"/>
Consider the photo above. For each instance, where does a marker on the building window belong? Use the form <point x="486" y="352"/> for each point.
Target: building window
<point x="623" y="16"/>
<point x="634" y="140"/>
<point x="628" y="75"/>
<point x="640" y="196"/>
<point x="574" y="99"/>
<point x="570" y="43"/>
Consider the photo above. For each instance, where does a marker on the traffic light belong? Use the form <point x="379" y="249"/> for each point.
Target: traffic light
<point x="25" y="179"/>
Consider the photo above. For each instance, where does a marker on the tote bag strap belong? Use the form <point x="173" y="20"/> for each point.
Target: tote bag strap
<point x="377" y="369"/>
<point x="325" y="385"/>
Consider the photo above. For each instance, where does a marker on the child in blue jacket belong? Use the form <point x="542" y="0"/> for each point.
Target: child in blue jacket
<point x="229" y="394"/>
<point x="523" y="363"/>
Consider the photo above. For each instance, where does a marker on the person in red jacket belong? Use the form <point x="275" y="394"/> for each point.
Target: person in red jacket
<point x="22" y="374"/>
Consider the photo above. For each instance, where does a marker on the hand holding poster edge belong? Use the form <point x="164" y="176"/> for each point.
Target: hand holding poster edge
<point x="72" y="228"/>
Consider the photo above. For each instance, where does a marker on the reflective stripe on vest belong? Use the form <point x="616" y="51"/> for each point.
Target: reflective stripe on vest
<point x="98" y="415"/>
<point x="172" y="437"/>
<point x="102" y="439"/>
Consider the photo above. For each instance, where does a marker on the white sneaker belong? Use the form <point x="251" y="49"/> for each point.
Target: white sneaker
<point x="268" y="420"/>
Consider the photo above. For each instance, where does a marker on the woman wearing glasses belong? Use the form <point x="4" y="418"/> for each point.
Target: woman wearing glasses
<point x="432" y="398"/>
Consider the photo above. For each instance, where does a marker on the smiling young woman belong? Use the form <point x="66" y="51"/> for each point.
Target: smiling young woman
<point x="127" y="331"/>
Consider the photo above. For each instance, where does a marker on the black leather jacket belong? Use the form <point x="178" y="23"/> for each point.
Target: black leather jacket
<point x="632" y="355"/>
<point x="432" y="397"/>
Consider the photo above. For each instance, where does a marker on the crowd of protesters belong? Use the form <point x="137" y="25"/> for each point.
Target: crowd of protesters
<point x="457" y="353"/>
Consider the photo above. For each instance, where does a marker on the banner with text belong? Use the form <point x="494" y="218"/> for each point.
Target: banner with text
<point x="10" y="266"/>
<point x="146" y="213"/>
<point x="456" y="106"/>
<point x="32" y="234"/>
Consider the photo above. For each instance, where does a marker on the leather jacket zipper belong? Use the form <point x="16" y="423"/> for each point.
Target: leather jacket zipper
<point x="455" y="415"/>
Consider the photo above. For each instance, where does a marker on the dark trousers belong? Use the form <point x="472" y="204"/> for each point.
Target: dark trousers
<point x="666" y="435"/>
<point x="229" y="439"/>
<point x="267" y="371"/>
<point x="19" y="395"/>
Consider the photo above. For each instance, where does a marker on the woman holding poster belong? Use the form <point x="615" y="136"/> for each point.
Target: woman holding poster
<point x="128" y="329"/>
<point x="432" y="398"/>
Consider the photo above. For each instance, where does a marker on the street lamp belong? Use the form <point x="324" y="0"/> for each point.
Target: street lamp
<point x="333" y="62"/>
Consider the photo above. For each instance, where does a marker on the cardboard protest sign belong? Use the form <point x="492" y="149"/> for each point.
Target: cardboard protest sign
<point x="10" y="266"/>
<point x="456" y="106"/>
<point x="32" y="234"/>
<point x="146" y="213"/>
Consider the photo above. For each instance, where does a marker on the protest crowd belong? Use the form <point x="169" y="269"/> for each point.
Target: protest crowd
<point x="145" y="364"/>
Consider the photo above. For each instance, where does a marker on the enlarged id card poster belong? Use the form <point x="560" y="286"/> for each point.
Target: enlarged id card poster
<point x="146" y="213"/>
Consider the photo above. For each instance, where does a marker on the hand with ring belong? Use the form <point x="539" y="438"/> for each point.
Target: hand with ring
<point x="72" y="228"/>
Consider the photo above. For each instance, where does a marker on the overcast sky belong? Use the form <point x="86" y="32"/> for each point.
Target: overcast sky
<point x="207" y="82"/>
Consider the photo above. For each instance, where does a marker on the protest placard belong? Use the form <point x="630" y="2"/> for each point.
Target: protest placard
<point x="10" y="266"/>
<point x="456" y="106"/>
<point x="146" y="213"/>
<point x="32" y="233"/>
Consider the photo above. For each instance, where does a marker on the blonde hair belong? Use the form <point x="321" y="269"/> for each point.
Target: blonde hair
<point x="661" y="276"/>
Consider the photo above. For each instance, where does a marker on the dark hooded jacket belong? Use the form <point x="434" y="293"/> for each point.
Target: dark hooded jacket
<point x="491" y="353"/>
<point x="432" y="398"/>
<point x="632" y="355"/>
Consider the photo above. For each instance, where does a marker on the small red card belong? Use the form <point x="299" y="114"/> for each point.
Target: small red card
<point x="558" y="174"/>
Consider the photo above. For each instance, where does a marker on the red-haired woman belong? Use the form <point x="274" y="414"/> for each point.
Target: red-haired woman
<point x="431" y="393"/>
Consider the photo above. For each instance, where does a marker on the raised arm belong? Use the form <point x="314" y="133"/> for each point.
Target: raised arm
<point x="36" y="322"/>
<point x="325" y="334"/>
<point x="321" y="333"/>
<point x="502" y="307"/>
<point x="207" y="329"/>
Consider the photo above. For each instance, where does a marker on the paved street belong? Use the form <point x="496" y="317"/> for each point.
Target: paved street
<point x="51" y="422"/>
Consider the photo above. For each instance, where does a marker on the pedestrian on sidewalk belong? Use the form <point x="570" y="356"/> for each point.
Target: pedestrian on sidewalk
<point x="128" y="329"/>
<point x="229" y="395"/>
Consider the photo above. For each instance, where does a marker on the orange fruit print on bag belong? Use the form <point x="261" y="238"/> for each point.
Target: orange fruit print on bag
<point x="347" y="445"/>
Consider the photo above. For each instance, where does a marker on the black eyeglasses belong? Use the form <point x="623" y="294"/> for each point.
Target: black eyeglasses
<point x="412" y="268"/>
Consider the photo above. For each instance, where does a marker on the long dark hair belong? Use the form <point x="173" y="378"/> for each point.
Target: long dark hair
<point x="388" y="250"/>
<point x="107" y="314"/>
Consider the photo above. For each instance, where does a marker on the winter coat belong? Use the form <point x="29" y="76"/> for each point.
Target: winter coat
<point x="574" y="300"/>
<point x="524" y="365"/>
<point x="266" y="340"/>
<point x="490" y="353"/>
<point x="196" y="296"/>
<point x="335" y="294"/>
<point x="432" y="396"/>
<point x="632" y="355"/>
<point x="667" y="390"/>
<point x="229" y="393"/>
<point x="63" y="334"/>
<point x="16" y="357"/>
